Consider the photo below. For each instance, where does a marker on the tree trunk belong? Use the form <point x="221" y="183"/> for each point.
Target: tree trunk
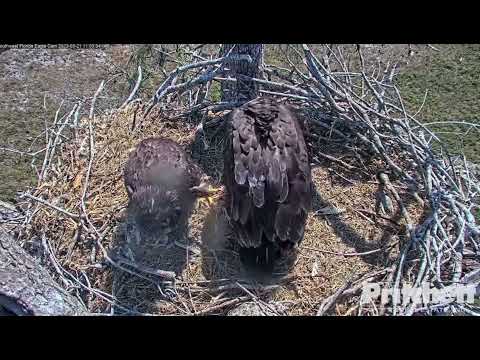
<point x="26" y="288"/>
<point x="243" y="89"/>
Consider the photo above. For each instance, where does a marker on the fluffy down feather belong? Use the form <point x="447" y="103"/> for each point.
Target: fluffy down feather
<point x="158" y="176"/>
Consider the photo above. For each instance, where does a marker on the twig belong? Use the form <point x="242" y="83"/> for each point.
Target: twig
<point x="377" y="215"/>
<point x="432" y="47"/>
<point x="350" y="254"/>
<point x="135" y="89"/>
<point x="348" y="290"/>
<point x="330" y="301"/>
<point x="46" y="203"/>
<point x="331" y="158"/>
<point x="222" y="305"/>
<point x="169" y="275"/>
<point x="94" y="100"/>
<point x="449" y="122"/>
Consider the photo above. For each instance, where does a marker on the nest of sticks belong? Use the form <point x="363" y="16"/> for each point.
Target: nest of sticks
<point x="387" y="207"/>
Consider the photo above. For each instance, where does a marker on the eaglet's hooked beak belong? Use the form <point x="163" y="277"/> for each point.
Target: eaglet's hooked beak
<point x="205" y="192"/>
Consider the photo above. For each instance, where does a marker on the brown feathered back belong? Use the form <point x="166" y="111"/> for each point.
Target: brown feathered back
<point x="267" y="175"/>
<point x="158" y="176"/>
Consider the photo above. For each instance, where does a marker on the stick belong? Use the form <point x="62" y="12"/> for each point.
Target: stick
<point x="135" y="89"/>
<point x="46" y="203"/>
<point x="222" y="305"/>
<point x="94" y="100"/>
<point x="169" y="275"/>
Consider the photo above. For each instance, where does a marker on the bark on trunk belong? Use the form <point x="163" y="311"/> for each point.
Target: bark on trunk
<point x="26" y="288"/>
<point x="243" y="89"/>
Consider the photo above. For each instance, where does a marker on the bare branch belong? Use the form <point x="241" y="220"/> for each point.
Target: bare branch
<point x="135" y="89"/>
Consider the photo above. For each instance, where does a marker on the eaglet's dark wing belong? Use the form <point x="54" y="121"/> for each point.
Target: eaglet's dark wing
<point x="267" y="174"/>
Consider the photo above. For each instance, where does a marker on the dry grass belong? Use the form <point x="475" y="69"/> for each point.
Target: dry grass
<point x="320" y="266"/>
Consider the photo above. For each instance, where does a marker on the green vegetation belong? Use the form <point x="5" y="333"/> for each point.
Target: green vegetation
<point x="216" y="91"/>
<point x="17" y="130"/>
<point x="452" y="77"/>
